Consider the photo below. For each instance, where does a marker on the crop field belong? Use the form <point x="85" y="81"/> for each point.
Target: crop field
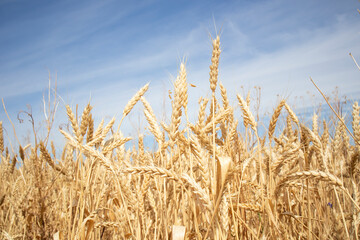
<point x="216" y="178"/>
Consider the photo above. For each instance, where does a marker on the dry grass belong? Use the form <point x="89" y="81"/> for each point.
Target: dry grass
<point x="205" y="180"/>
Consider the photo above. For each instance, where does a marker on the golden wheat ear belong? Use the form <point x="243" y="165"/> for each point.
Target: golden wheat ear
<point x="214" y="67"/>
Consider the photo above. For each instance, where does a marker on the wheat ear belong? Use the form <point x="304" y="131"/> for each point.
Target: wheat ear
<point x="356" y="120"/>
<point x="129" y="106"/>
<point x="150" y="117"/>
<point x="48" y="159"/>
<point x="74" y="123"/>
<point x="292" y="114"/>
<point x="135" y="99"/>
<point x="153" y="171"/>
<point x="214" y="67"/>
<point x="183" y="86"/>
<point x="247" y="115"/>
<point x="316" y="175"/>
<point x="275" y="117"/>
<point x="176" y="111"/>
<point x="85" y="119"/>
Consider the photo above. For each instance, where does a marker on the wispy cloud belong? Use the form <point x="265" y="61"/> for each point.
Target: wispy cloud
<point x="109" y="49"/>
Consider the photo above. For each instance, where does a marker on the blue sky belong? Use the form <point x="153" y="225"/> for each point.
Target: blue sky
<point x="106" y="50"/>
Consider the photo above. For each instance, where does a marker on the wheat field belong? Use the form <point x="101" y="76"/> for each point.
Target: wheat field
<point x="204" y="180"/>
